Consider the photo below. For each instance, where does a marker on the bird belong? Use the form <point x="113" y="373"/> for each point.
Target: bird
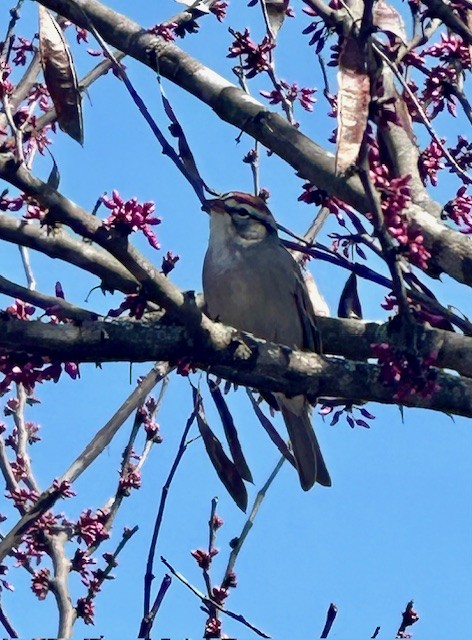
<point x="252" y="283"/>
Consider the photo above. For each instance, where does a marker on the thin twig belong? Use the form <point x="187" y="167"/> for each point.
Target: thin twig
<point x="250" y="521"/>
<point x="14" y="17"/>
<point x="206" y="601"/>
<point x="167" y="149"/>
<point x="7" y="625"/>
<point x="5" y="467"/>
<point x="22" y="439"/>
<point x="114" y="504"/>
<point x="211" y="544"/>
<point x="95" y="447"/>
<point x="149" y="576"/>
<point x="148" y="620"/>
<point x="60" y="307"/>
<point x="111" y="561"/>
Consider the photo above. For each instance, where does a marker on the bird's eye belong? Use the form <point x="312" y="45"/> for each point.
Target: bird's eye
<point x="241" y="214"/>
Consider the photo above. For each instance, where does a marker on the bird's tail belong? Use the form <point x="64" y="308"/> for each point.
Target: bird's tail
<point x="306" y="450"/>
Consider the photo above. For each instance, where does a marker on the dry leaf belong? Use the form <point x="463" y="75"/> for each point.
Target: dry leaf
<point x="224" y="467"/>
<point x="353" y="104"/>
<point x="272" y="432"/>
<point x="230" y="432"/>
<point x="60" y="75"/>
<point x="349" y="303"/>
<point x="387" y="19"/>
<point x="275" y="14"/>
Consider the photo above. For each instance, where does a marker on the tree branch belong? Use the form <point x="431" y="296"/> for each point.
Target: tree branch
<point x="93" y="449"/>
<point x="243" y="359"/>
<point x="232" y="105"/>
<point x="439" y="9"/>
<point x="61" y="245"/>
<point x="57" y="306"/>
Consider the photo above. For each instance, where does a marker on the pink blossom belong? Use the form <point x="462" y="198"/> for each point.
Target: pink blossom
<point x="219" y="9"/>
<point x="130" y="215"/>
<point x="86" y="610"/>
<point x="23" y="47"/>
<point x="257" y="57"/>
<point x="91" y="527"/>
<point x="291" y="92"/>
<point x="459" y="209"/>
<point x="40" y="583"/>
<point x="165" y="31"/>
<point x="204" y="558"/>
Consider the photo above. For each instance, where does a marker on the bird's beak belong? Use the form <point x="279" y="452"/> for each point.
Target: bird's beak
<point x="214" y="204"/>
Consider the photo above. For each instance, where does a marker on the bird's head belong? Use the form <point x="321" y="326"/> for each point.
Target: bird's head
<point x="241" y="215"/>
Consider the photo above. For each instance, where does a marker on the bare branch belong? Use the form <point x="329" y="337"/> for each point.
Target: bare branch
<point x="236" y="616"/>
<point x="440" y="9"/>
<point x="58" y="306"/>
<point x="95" y="447"/>
<point x="250" y="521"/>
<point x="60" y="244"/>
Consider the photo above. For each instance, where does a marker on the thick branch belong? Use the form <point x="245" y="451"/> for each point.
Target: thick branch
<point x="59" y="244"/>
<point x="440" y="9"/>
<point x="243" y="359"/>
<point x="234" y="106"/>
<point x="154" y="285"/>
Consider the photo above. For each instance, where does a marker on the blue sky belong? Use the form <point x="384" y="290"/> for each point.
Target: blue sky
<point x="397" y="522"/>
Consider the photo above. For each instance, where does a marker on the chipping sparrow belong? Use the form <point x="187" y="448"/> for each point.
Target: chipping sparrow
<point x="252" y="283"/>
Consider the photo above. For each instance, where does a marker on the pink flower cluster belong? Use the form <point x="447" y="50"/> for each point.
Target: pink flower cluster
<point x="11" y="204"/>
<point x="91" y="527"/>
<point x="431" y="162"/>
<point x="151" y="427"/>
<point x="6" y="87"/>
<point x="40" y="583"/>
<point x="32" y="370"/>
<point x="128" y="216"/>
<point x="204" y="558"/>
<point x="291" y="92"/>
<point x="81" y="562"/>
<point x="441" y="80"/>
<point x="313" y="195"/>
<point x="257" y="57"/>
<point x="165" y="31"/>
<point x="421" y="313"/>
<point x="32" y="431"/>
<point x="23" y="47"/>
<point x="40" y="94"/>
<point x="130" y="479"/>
<point x="212" y="628"/>
<point x="450" y="47"/>
<point x="219" y="9"/>
<point x="86" y="610"/>
<point x="459" y="209"/>
<point x="407" y="373"/>
<point x="168" y="262"/>
<point x="395" y="198"/>
<point x="135" y="303"/>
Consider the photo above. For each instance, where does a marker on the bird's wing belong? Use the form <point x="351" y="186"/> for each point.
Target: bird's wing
<point x="306" y="314"/>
